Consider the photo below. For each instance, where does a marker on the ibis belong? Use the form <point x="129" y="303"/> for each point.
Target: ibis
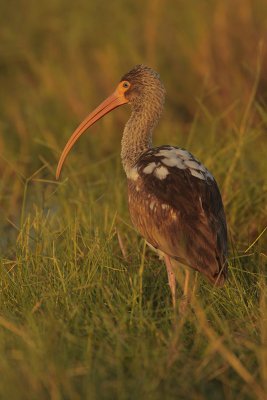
<point x="174" y="201"/>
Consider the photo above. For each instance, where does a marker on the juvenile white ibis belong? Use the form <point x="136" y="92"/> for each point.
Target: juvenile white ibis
<point x="174" y="201"/>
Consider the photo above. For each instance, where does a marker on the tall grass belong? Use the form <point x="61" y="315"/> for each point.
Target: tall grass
<point x="85" y="309"/>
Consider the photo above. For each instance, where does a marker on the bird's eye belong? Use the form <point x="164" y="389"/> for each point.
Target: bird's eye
<point x="126" y="85"/>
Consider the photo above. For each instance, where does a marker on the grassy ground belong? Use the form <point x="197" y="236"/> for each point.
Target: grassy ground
<point x="85" y="309"/>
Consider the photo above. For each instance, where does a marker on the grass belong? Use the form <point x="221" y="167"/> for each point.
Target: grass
<point x="85" y="309"/>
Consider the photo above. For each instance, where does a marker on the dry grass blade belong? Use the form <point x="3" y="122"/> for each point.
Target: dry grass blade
<point x="18" y="331"/>
<point x="226" y="354"/>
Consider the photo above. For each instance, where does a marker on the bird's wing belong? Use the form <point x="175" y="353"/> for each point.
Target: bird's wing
<point x="183" y="214"/>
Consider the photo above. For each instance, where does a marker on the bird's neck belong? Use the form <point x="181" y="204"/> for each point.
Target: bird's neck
<point x="137" y="134"/>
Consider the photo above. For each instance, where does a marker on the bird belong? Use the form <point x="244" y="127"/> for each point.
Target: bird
<point x="174" y="201"/>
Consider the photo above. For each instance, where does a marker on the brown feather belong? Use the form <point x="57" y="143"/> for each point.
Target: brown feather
<point x="182" y="216"/>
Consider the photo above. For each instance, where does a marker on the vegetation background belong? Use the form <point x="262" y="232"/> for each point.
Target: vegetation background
<point x="85" y="309"/>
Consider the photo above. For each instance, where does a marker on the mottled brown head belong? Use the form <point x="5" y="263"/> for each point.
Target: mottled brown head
<point x="142" y="84"/>
<point x="141" y="87"/>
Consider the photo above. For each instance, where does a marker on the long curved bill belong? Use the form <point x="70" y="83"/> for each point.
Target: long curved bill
<point x="115" y="100"/>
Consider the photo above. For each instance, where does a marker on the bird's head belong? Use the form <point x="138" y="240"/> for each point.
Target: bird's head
<point x="143" y="86"/>
<point x="140" y="87"/>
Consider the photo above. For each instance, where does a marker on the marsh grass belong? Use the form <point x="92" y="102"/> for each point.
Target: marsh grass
<point x="85" y="306"/>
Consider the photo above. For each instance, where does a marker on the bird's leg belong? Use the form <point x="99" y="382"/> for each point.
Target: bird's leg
<point x="186" y="295"/>
<point x="171" y="279"/>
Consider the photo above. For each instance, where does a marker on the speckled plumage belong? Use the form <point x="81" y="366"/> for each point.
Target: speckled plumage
<point x="180" y="215"/>
<point x="174" y="201"/>
<point x="146" y="97"/>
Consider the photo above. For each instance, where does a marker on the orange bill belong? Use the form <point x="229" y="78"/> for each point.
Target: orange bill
<point x="115" y="100"/>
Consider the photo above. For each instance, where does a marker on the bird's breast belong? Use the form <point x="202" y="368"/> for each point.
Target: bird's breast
<point x="154" y="218"/>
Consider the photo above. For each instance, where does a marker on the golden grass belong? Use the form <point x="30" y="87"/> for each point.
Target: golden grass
<point x="85" y="307"/>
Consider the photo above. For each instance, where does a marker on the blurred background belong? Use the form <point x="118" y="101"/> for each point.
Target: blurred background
<point x="59" y="59"/>
<point x="85" y="308"/>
